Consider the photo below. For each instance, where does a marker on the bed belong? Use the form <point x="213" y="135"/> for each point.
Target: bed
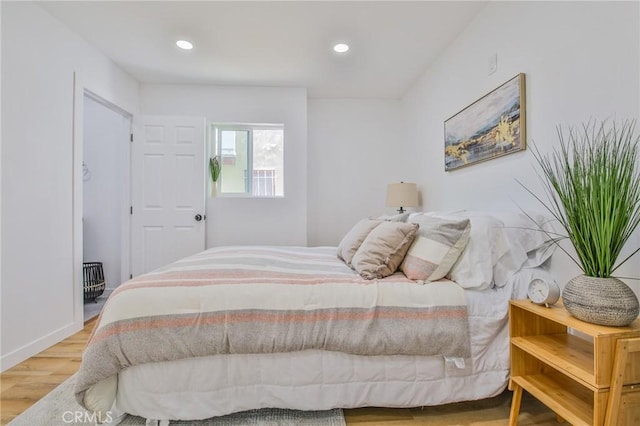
<point x="238" y="328"/>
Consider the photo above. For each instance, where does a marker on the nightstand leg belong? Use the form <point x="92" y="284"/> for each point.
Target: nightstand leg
<point x="623" y="348"/>
<point x="515" y="404"/>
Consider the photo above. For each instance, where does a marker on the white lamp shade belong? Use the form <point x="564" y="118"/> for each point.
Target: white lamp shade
<point x="402" y="195"/>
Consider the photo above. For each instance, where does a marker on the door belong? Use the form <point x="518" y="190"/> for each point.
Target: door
<point x="167" y="190"/>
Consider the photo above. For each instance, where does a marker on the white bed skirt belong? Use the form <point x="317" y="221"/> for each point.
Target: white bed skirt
<point x="310" y="380"/>
<point x="317" y="380"/>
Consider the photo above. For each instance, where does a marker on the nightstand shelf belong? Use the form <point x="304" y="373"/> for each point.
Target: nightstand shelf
<point x="562" y="351"/>
<point x="566" y="399"/>
<point x="572" y="374"/>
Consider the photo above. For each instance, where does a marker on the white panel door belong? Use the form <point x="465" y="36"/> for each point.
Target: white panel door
<point x="167" y="190"/>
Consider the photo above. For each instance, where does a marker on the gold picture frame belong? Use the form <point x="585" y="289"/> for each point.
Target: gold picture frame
<point x="491" y="127"/>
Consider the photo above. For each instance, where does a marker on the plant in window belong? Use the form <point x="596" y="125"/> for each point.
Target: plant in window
<point x="593" y="186"/>
<point x="215" y="167"/>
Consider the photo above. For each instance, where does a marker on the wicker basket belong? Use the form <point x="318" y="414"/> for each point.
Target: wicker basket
<point x="93" y="279"/>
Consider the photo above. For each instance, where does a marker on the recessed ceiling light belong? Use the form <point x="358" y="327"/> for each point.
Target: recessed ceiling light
<point x="184" y="44"/>
<point x="341" y="48"/>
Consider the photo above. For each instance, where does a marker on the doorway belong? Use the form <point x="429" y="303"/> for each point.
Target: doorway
<point x="106" y="199"/>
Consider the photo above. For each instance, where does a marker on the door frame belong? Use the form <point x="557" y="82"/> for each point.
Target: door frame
<point x="80" y="90"/>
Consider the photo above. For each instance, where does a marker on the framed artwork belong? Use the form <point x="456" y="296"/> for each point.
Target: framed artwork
<point x="491" y="127"/>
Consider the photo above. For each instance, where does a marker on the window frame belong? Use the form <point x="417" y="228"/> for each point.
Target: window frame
<point x="215" y="146"/>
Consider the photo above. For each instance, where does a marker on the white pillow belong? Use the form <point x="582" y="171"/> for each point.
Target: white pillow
<point x="438" y="213"/>
<point x="474" y="268"/>
<point x="529" y="245"/>
<point x="400" y="217"/>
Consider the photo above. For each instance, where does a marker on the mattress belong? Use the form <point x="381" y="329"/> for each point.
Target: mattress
<point x="216" y="385"/>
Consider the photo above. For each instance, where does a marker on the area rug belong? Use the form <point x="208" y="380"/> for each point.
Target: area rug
<point x="59" y="408"/>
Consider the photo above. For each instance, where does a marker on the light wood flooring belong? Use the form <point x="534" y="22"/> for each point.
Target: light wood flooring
<point x="27" y="382"/>
<point x="23" y="385"/>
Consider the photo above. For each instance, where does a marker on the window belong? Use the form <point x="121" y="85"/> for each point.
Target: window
<point x="264" y="183"/>
<point x="252" y="158"/>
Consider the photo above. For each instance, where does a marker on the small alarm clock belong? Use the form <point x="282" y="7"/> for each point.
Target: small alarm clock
<point x="543" y="292"/>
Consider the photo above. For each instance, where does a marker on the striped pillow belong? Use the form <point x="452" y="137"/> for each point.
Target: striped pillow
<point x="436" y="248"/>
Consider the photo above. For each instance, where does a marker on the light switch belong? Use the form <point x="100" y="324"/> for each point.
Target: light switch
<point x="493" y="63"/>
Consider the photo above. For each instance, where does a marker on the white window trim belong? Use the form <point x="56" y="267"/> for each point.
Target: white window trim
<point x="217" y="128"/>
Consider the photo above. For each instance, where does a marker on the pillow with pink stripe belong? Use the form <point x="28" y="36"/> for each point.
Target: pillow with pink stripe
<point x="436" y="248"/>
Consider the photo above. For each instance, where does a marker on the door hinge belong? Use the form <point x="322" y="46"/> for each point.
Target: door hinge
<point x="131" y="137"/>
<point x="130" y="209"/>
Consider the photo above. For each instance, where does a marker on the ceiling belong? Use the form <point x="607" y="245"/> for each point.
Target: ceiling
<point x="269" y="43"/>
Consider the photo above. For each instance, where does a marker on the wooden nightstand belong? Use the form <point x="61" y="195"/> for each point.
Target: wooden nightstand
<point x="586" y="382"/>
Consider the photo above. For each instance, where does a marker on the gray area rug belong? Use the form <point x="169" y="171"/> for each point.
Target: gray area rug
<point x="92" y="309"/>
<point x="59" y="408"/>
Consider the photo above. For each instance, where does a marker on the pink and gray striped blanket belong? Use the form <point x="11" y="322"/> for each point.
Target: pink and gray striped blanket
<point x="252" y="300"/>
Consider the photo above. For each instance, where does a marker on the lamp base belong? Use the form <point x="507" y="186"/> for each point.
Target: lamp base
<point x="401" y="210"/>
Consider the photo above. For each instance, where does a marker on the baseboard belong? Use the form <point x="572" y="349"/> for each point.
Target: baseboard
<point x="27" y="351"/>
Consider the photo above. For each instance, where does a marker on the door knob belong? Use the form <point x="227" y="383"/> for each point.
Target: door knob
<point x="198" y="217"/>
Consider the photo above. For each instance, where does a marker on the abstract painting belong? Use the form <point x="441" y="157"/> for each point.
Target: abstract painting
<point x="491" y="127"/>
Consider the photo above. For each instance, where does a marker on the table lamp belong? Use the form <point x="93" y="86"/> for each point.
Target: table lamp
<point x="402" y="195"/>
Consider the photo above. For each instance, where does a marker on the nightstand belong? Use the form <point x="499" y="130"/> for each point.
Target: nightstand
<point x="589" y="380"/>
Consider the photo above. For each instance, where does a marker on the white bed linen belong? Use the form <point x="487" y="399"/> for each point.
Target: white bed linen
<point x="316" y="380"/>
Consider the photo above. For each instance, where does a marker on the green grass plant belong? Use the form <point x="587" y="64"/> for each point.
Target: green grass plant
<point x="592" y="183"/>
<point x="215" y="168"/>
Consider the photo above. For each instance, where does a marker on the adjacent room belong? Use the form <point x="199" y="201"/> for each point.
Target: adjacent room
<point x="320" y="212"/>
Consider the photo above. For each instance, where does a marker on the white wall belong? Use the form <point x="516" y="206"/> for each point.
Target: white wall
<point x="39" y="57"/>
<point x="231" y="220"/>
<point x="356" y="147"/>
<point x="1" y="363"/>
<point x="581" y="61"/>
<point x="106" y="145"/>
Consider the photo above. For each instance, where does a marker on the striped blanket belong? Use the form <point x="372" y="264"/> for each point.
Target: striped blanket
<point x="251" y="300"/>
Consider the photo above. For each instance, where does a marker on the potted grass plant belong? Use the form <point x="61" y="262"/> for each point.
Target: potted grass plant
<point x="592" y="184"/>
<point x="215" y="167"/>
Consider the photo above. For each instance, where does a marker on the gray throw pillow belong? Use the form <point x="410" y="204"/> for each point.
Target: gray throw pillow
<point x="354" y="238"/>
<point x="383" y="250"/>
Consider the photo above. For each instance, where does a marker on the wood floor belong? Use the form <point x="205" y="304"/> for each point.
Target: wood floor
<point x="27" y="382"/>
